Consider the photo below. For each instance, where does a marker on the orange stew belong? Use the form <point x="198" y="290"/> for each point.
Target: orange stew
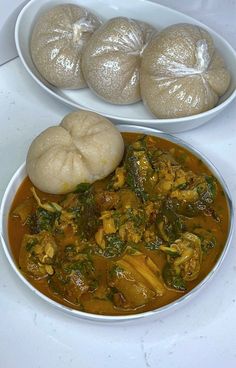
<point x="132" y="242"/>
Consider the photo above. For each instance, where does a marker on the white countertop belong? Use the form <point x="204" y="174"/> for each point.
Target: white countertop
<point x="202" y="333"/>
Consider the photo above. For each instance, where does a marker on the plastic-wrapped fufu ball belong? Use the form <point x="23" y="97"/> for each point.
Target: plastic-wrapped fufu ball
<point x="57" y="40"/>
<point x="182" y="73"/>
<point x="111" y="59"/>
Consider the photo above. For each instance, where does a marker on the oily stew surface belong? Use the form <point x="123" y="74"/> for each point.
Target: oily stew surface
<point x="130" y="243"/>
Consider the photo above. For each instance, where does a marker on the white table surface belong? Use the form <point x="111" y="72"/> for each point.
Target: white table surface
<point x="202" y="333"/>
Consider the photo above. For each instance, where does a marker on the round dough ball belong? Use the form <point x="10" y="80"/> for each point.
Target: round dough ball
<point x="57" y="40"/>
<point x="182" y="73"/>
<point x="111" y="59"/>
<point x="84" y="148"/>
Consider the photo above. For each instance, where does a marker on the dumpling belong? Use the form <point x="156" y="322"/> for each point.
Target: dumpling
<point x="57" y="40"/>
<point x="84" y="148"/>
<point x="111" y="59"/>
<point x="182" y="73"/>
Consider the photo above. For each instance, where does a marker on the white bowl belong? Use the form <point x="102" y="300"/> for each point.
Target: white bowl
<point x="17" y="179"/>
<point x="157" y="15"/>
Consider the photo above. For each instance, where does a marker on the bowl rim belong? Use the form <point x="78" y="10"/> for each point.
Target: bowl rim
<point x="130" y="120"/>
<point x="130" y="317"/>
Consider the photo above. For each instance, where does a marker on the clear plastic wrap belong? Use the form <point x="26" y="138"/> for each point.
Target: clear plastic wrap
<point x="111" y="59"/>
<point x="57" y="40"/>
<point x="182" y="73"/>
